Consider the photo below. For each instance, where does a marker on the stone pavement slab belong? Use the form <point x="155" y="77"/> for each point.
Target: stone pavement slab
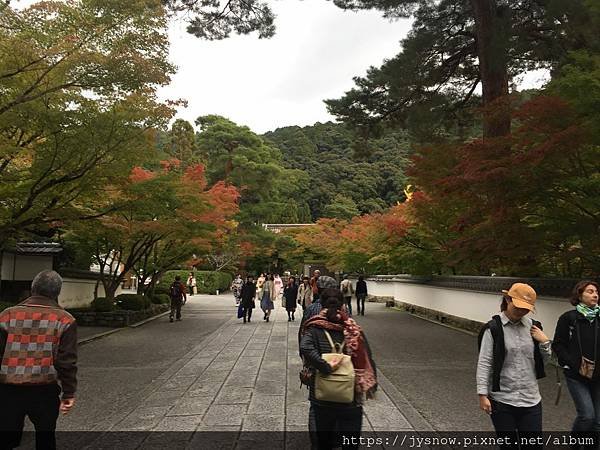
<point x="242" y="380"/>
<point x="243" y="377"/>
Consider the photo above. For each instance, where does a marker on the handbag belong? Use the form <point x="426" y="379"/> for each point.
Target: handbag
<point x="240" y="312"/>
<point x="338" y="386"/>
<point x="587" y="366"/>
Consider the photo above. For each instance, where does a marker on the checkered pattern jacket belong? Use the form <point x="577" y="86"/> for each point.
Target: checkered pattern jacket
<point x="38" y="344"/>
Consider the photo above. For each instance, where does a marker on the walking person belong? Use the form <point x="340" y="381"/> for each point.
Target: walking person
<point x="278" y="283"/>
<point x="247" y="295"/>
<point x="268" y="294"/>
<point x="347" y="291"/>
<point x="576" y="343"/>
<point x="305" y="295"/>
<point x="314" y="284"/>
<point x="513" y="349"/>
<point x="236" y="288"/>
<point x="333" y="328"/>
<point x="361" y="295"/>
<point x="38" y="378"/>
<point x="191" y="283"/>
<point x="178" y="298"/>
<point x="290" y="294"/>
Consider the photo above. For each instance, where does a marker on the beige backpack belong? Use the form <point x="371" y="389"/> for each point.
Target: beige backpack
<point x="337" y="386"/>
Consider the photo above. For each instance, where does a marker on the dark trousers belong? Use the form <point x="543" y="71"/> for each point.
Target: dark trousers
<point x="360" y="303"/>
<point x="517" y="424"/>
<point x="337" y="427"/>
<point x="40" y="403"/>
<point x="176" y="308"/>
<point x="247" y="313"/>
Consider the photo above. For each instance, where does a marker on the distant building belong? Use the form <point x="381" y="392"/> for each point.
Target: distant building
<point x="21" y="263"/>
<point x="279" y="227"/>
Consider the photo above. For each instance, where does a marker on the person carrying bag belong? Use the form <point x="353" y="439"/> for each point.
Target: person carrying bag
<point x="341" y="382"/>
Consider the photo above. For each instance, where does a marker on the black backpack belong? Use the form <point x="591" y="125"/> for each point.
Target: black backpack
<point x="499" y="351"/>
<point x="176" y="290"/>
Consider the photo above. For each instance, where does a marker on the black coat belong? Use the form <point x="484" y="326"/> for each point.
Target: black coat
<point x="361" y="287"/>
<point x="248" y="293"/>
<point x="290" y="293"/>
<point x="566" y="342"/>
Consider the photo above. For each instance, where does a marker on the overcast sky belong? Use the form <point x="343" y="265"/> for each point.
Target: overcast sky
<point x="270" y="83"/>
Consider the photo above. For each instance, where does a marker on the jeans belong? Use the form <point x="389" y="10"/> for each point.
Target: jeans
<point x="40" y="403"/>
<point x="586" y="396"/>
<point x="360" y="303"/>
<point x="515" y="423"/>
<point x="336" y="426"/>
<point x="348" y="302"/>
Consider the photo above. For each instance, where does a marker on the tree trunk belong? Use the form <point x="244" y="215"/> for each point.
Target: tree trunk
<point x="492" y="23"/>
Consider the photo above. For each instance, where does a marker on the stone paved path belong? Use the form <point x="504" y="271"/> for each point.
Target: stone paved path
<point x="242" y="377"/>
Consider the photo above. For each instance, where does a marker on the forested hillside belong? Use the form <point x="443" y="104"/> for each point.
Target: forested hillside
<point x="341" y="183"/>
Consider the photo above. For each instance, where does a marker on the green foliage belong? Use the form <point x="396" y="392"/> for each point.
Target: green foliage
<point x="132" y="302"/>
<point x="213" y="21"/>
<point x="269" y="192"/>
<point x="4" y="305"/>
<point x="77" y="94"/>
<point x="102" y="304"/>
<point x="327" y="154"/>
<point x="160" y="299"/>
<point x="341" y="207"/>
<point x="207" y="282"/>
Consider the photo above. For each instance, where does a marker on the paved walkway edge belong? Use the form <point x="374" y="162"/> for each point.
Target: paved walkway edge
<point x="85" y="340"/>
<point x="415" y="418"/>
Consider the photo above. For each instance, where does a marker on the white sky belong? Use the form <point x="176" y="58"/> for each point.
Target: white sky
<point x="271" y="83"/>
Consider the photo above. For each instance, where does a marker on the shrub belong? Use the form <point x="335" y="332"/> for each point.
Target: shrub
<point x="207" y="282"/>
<point x="102" y="304"/>
<point x="132" y="302"/>
<point x="159" y="299"/>
<point x="161" y="289"/>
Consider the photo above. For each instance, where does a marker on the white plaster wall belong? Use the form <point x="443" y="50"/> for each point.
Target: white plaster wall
<point x="479" y="306"/>
<point x="24" y="267"/>
<point x="78" y="293"/>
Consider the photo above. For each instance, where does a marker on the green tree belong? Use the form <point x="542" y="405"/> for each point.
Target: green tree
<point x="341" y="208"/>
<point x="182" y="142"/>
<point x="77" y="98"/>
<point x="238" y="156"/>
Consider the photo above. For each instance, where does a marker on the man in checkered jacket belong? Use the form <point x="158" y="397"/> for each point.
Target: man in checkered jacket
<point x="38" y="344"/>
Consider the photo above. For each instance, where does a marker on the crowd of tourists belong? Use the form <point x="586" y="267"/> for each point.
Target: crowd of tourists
<point x="338" y="365"/>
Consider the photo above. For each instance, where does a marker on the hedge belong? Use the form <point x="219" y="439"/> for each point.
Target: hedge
<point x="4" y="305"/>
<point x="207" y="282"/>
<point x="160" y="299"/>
<point x="132" y="302"/>
<point x="101" y="304"/>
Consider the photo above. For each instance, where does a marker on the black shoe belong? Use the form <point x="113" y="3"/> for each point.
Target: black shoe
<point x="267" y="319"/>
<point x="170" y="319"/>
<point x="289" y="319"/>
<point x="293" y="318"/>
<point x="244" y="320"/>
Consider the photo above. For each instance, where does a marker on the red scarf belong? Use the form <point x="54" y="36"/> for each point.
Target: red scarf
<point x="365" y="376"/>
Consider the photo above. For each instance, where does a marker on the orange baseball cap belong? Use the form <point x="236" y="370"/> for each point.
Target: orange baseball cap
<point x="522" y="295"/>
